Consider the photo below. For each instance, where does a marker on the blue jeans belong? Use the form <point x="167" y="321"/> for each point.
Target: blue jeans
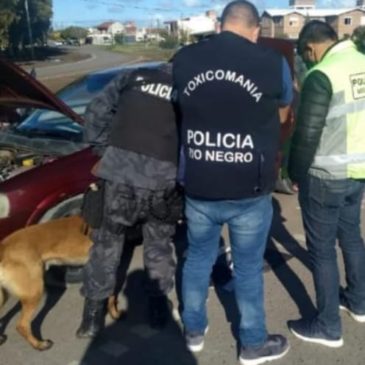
<point x="248" y="222"/>
<point x="331" y="209"/>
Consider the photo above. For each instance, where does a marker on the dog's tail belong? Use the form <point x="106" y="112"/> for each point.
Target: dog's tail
<point x="3" y="293"/>
<point x="3" y="297"/>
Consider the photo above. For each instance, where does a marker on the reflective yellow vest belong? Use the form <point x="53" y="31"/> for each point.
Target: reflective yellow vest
<point x="341" y="151"/>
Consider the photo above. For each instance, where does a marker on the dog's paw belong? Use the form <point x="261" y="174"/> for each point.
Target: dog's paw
<point x="45" y="345"/>
<point x="3" y="338"/>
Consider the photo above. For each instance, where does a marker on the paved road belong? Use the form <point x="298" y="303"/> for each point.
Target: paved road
<point x="289" y="292"/>
<point x="99" y="58"/>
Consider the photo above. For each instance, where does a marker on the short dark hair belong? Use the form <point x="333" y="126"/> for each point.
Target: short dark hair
<point x="241" y="10"/>
<point x="358" y="37"/>
<point x="315" y="31"/>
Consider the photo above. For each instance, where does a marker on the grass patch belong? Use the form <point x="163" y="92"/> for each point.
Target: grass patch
<point x="147" y="51"/>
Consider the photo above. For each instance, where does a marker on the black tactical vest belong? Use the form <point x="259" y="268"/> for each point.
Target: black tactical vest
<point x="228" y="92"/>
<point x="145" y="121"/>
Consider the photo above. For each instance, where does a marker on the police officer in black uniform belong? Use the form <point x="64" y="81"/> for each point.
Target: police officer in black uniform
<point x="230" y="91"/>
<point x="131" y="125"/>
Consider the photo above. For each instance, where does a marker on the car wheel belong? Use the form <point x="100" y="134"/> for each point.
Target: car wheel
<point x="66" y="208"/>
<point x="61" y="275"/>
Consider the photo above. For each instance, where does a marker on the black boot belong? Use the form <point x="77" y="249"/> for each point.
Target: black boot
<point x="93" y="318"/>
<point x="159" y="311"/>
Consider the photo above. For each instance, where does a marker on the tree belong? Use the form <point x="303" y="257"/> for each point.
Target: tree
<point x="54" y="35"/>
<point x="170" y="42"/>
<point x="7" y="16"/>
<point x="119" y="38"/>
<point x="184" y="37"/>
<point x="40" y="13"/>
<point x="74" y="32"/>
<point x="42" y="21"/>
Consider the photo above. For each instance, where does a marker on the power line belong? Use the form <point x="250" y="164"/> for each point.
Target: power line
<point x="127" y="5"/>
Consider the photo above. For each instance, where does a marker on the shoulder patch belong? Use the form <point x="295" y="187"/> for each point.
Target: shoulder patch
<point x="358" y="85"/>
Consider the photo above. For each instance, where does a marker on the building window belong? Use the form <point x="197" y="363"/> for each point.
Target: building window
<point x="347" y="21"/>
<point x="278" y="20"/>
<point x="293" y="22"/>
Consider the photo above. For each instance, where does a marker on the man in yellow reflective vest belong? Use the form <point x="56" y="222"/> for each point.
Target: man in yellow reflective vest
<point x="328" y="161"/>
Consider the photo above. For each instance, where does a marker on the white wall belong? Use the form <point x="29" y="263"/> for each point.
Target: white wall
<point x="101" y="39"/>
<point x="197" y="25"/>
<point x="116" y="28"/>
<point x="140" y="35"/>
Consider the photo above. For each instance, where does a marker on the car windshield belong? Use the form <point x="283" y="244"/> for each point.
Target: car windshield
<point x="76" y="95"/>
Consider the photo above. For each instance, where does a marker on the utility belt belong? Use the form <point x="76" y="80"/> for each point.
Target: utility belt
<point x="166" y="206"/>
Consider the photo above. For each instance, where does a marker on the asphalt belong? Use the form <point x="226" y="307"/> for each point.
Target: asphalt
<point x="289" y="293"/>
<point x="97" y="58"/>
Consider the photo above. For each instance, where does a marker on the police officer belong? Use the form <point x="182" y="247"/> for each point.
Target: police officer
<point x="327" y="160"/>
<point x="229" y="91"/>
<point x="131" y="125"/>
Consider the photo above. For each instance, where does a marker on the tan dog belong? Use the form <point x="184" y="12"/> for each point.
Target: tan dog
<point x="26" y="253"/>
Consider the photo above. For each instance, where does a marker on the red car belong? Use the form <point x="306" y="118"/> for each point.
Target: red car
<point x="44" y="165"/>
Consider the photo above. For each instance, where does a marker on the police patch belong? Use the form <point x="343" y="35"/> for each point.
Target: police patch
<point x="358" y="85"/>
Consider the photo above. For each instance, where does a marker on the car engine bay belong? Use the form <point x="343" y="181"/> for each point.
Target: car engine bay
<point x="14" y="161"/>
<point x="19" y="153"/>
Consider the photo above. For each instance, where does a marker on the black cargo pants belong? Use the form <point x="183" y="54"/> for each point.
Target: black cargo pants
<point x="125" y="206"/>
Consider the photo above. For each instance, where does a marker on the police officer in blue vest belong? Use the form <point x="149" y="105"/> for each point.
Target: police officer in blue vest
<point x="230" y="92"/>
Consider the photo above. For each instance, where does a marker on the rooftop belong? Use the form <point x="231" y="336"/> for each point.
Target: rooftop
<point x="310" y="12"/>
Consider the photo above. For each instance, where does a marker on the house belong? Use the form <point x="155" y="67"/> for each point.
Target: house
<point x="100" y="39"/>
<point x="287" y="23"/>
<point x="195" y="26"/>
<point x="104" y="33"/>
<point x="141" y="35"/>
<point x="110" y="27"/>
<point x="153" y="34"/>
<point x="130" y="32"/>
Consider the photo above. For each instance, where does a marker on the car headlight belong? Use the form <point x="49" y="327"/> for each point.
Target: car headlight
<point x="4" y="206"/>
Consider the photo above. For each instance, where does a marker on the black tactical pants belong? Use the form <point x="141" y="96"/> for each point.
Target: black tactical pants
<point x="125" y="206"/>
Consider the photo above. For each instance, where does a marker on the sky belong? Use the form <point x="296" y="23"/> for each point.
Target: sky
<point x="152" y="12"/>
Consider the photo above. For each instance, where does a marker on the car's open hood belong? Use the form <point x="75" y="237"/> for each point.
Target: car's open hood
<point x="18" y="89"/>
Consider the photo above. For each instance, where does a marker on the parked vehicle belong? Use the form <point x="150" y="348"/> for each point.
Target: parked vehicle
<point x="72" y="42"/>
<point x="53" y="43"/>
<point x="44" y="165"/>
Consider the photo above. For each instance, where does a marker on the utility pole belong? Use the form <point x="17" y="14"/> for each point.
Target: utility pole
<point x="29" y="29"/>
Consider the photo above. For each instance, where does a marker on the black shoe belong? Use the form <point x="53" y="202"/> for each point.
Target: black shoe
<point x="93" y="318"/>
<point x="275" y="347"/>
<point x="159" y="311"/>
<point x="310" y="331"/>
